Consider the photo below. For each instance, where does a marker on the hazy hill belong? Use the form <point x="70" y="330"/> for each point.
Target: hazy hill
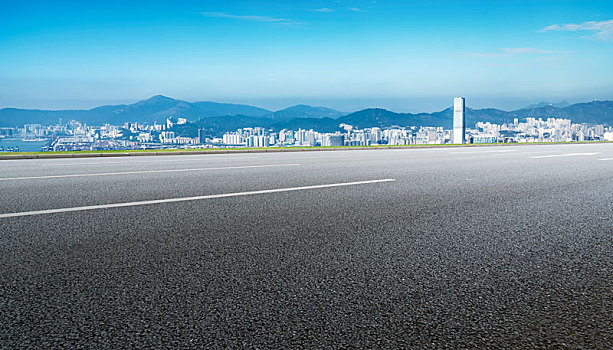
<point x="219" y="125"/>
<point x="157" y="108"/>
<point x="304" y="111"/>
<point x="597" y="112"/>
<point x="545" y="104"/>
<point x="381" y="118"/>
<point x="214" y="109"/>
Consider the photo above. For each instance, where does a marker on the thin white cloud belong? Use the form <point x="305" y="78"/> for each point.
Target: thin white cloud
<point x="602" y="30"/>
<point x="355" y="9"/>
<point x="323" y="9"/>
<point x="249" y="17"/>
<point x="487" y="54"/>
<point x="515" y="51"/>
<point x="529" y="51"/>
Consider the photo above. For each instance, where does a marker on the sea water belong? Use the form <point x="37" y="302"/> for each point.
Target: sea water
<point x="24" y="146"/>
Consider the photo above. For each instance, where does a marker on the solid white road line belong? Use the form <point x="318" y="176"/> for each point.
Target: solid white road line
<point x="198" y="159"/>
<point x="144" y="172"/>
<point x="185" y="199"/>
<point x="566" y="155"/>
<point x="83" y="163"/>
<point x="496" y="151"/>
<point x="128" y="162"/>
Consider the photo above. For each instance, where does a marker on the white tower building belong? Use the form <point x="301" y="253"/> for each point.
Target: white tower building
<point x="459" y="129"/>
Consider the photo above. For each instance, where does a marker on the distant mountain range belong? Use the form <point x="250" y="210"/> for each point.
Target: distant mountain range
<point x="157" y="108"/>
<point x="221" y="117"/>
<point x="545" y="104"/>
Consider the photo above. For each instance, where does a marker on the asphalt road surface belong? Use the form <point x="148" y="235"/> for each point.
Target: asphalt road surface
<point x="487" y="247"/>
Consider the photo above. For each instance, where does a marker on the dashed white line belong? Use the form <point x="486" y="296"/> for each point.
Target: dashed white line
<point x="606" y="159"/>
<point x="144" y="172"/>
<point x="185" y="199"/>
<point x="566" y="155"/>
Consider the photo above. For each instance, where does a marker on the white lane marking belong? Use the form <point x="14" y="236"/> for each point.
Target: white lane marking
<point x="413" y="149"/>
<point x="145" y="172"/>
<point x="606" y="159"/>
<point x="191" y="160"/>
<point x="185" y="199"/>
<point x="82" y="163"/>
<point x="496" y="151"/>
<point x="566" y="155"/>
<point x="127" y="162"/>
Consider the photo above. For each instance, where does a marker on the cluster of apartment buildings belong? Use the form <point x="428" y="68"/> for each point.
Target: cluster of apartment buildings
<point x="544" y="130"/>
<point x="533" y="130"/>
<point x="350" y="136"/>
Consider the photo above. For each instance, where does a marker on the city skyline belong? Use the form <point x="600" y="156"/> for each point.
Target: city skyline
<point x="348" y="55"/>
<point x="179" y="132"/>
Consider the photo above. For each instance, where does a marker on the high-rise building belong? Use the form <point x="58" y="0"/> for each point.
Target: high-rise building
<point x="202" y="135"/>
<point x="375" y="135"/>
<point x="459" y="129"/>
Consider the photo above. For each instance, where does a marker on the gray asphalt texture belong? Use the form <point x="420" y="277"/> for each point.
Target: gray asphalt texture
<point x="469" y="248"/>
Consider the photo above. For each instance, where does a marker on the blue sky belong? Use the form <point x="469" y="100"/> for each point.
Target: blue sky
<point x="401" y="55"/>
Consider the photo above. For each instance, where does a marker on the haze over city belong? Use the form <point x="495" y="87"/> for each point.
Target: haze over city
<point x="405" y="56"/>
